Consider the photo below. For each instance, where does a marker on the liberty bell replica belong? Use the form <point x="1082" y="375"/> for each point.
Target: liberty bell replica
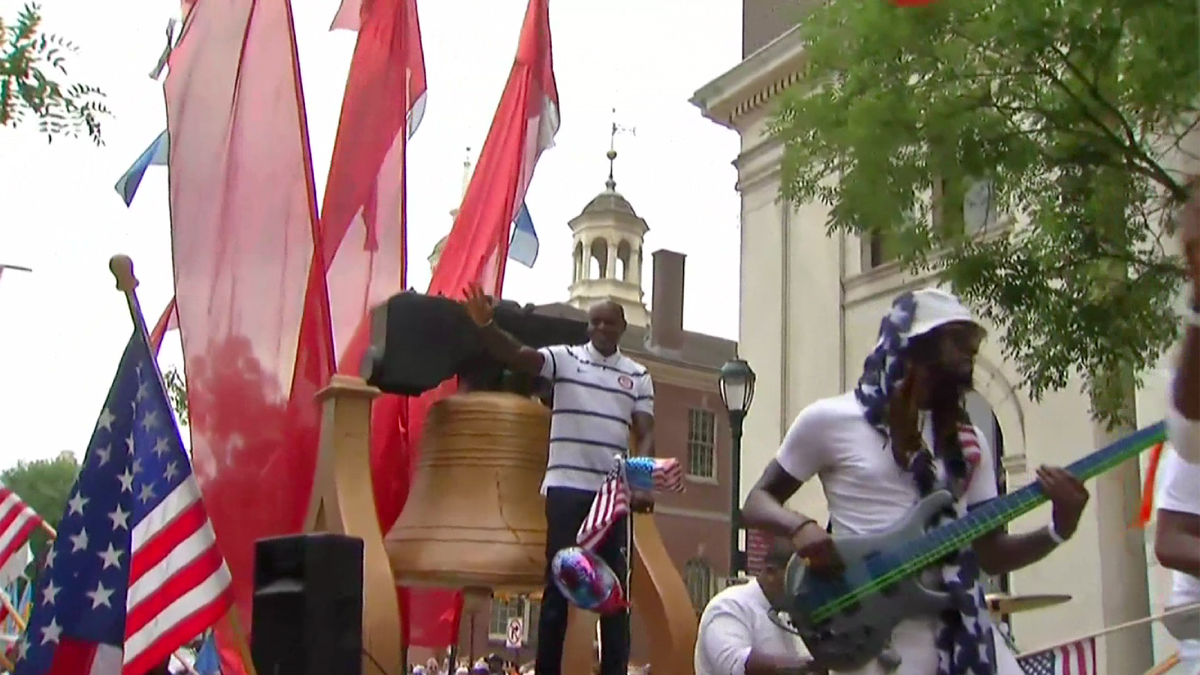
<point x="475" y="518"/>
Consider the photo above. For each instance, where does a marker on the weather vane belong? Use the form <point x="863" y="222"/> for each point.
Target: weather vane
<point x="611" y="183"/>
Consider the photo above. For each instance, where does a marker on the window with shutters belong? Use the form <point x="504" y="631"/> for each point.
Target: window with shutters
<point x="698" y="577"/>
<point x="701" y="446"/>
<point x="503" y="611"/>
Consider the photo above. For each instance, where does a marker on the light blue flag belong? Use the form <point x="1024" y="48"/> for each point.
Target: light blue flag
<point x="207" y="660"/>
<point x="154" y="155"/>
<point x="523" y="247"/>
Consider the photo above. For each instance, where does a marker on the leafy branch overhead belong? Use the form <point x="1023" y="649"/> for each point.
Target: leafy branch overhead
<point x="34" y="84"/>
<point x="1068" y="119"/>
<point x="177" y="393"/>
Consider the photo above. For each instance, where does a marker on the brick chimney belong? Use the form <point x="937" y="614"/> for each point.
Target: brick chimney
<point x="666" y="309"/>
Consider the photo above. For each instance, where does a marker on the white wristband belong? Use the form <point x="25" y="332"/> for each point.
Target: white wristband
<point x="1054" y="535"/>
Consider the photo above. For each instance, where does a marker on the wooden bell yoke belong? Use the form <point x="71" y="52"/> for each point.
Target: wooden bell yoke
<point x="474" y="519"/>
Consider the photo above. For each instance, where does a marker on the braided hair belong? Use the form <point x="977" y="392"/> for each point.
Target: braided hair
<point x="947" y="410"/>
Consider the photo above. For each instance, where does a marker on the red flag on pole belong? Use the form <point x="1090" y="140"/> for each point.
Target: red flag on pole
<point x="168" y="321"/>
<point x="477" y="248"/>
<point x="363" y="215"/>
<point x="251" y="307"/>
<point x="525" y="124"/>
<point x="363" y="212"/>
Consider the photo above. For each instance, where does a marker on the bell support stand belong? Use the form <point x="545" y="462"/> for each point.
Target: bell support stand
<point x="343" y="502"/>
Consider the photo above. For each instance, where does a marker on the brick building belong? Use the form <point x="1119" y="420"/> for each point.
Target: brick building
<point x="690" y="421"/>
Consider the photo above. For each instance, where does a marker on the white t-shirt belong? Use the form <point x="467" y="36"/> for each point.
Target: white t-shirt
<point x="595" y="397"/>
<point x="868" y="493"/>
<point x="735" y="622"/>
<point x="1183" y="433"/>
<point x="1179" y="491"/>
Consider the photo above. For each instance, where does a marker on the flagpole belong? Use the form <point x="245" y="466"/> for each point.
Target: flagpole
<point x="121" y="267"/>
<point x="1185" y="609"/>
<point x="404" y="177"/>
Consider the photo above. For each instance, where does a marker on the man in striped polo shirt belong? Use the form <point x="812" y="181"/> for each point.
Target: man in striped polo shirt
<point x="598" y="395"/>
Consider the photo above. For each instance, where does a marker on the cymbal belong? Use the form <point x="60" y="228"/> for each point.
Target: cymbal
<point x="1002" y="603"/>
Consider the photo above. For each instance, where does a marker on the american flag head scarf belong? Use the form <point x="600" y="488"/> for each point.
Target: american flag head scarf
<point x="964" y="639"/>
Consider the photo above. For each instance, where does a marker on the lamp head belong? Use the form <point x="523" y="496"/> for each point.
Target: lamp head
<point x="737" y="386"/>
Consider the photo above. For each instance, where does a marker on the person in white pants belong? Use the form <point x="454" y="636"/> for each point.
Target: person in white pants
<point x="1177" y="546"/>
<point x="1183" y="414"/>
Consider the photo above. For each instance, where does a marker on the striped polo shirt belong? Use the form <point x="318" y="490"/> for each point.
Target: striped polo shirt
<point x="595" y="397"/>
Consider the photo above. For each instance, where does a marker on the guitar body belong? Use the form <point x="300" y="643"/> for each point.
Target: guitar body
<point x="862" y="631"/>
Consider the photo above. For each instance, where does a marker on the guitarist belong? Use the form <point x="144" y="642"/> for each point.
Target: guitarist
<point x="902" y="433"/>
<point x="1183" y="417"/>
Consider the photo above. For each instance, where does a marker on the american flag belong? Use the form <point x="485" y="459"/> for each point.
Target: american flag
<point x="134" y="573"/>
<point x="1074" y="658"/>
<point x="17" y="521"/>
<point x="652" y="473"/>
<point x="610" y="505"/>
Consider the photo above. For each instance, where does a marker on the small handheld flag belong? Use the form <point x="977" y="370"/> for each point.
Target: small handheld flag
<point x="653" y="473"/>
<point x="610" y="505"/>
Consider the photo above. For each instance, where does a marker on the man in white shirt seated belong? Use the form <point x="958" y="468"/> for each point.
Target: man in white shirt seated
<point x="1177" y="546"/>
<point x="737" y="636"/>
<point x="1183" y="414"/>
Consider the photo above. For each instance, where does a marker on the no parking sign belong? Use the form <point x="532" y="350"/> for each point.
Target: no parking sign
<point x="516" y="633"/>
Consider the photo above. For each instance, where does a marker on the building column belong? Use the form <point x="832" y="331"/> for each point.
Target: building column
<point x="635" y="266"/>
<point x="586" y="270"/>
<point x="611" y="272"/>
<point x="1123" y="566"/>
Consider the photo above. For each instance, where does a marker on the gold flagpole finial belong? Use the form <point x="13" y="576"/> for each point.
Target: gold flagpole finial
<point x="121" y="267"/>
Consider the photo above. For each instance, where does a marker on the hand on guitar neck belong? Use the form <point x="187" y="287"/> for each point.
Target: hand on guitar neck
<point x="1000" y="553"/>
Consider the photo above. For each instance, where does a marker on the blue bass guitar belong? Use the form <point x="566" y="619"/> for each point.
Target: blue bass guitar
<point x="847" y="621"/>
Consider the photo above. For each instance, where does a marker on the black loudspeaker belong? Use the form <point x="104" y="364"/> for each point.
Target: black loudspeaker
<point x="418" y="341"/>
<point x="307" y="616"/>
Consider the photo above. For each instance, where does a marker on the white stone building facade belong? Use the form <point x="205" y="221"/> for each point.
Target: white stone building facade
<point x="810" y="308"/>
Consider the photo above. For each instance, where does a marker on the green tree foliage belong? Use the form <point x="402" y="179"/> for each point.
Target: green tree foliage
<point x="45" y="485"/>
<point x="34" y="85"/>
<point x="1071" y="110"/>
<point x="177" y="393"/>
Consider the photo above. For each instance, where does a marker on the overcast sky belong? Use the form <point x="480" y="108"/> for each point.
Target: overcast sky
<point x="64" y="325"/>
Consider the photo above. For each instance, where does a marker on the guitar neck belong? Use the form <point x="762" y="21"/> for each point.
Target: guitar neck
<point x="997" y="512"/>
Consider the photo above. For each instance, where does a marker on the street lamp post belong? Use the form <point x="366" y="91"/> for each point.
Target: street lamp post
<point x="737" y="392"/>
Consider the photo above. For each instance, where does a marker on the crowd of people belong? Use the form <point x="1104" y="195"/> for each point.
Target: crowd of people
<point x="492" y="664"/>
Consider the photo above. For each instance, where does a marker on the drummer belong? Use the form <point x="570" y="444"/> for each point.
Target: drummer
<point x="737" y="634"/>
<point x="598" y="394"/>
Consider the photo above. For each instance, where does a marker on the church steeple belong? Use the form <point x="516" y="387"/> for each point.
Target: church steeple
<point x="436" y="254"/>
<point x="607" y="238"/>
